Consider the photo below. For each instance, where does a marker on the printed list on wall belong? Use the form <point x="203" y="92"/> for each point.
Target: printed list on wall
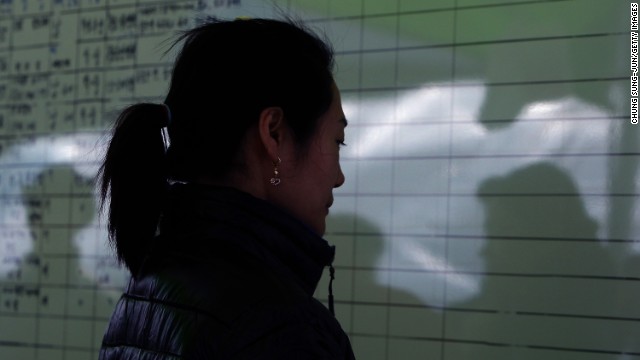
<point x="66" y="68"/>
<point x="491" y="204"/>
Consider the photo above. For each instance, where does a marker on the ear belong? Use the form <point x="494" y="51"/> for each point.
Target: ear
<point x="273" y="131"/>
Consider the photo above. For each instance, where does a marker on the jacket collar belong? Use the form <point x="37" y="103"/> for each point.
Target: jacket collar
<point x="201" y="218"/>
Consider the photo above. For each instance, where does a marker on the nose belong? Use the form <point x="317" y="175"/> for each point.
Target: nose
<point x="341" y="179"/>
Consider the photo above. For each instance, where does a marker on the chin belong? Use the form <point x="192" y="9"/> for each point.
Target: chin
<point x="316" y="223"/>
<point x="320" y="228"/>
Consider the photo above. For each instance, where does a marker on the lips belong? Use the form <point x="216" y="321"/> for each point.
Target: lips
<point x="328" y="206"/>
<point x="330" y="203"/>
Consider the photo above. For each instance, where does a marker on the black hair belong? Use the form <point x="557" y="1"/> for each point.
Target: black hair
<point x="226" y="73"/>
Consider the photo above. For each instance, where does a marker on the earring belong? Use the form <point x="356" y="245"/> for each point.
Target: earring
<point x="275" y="180"/>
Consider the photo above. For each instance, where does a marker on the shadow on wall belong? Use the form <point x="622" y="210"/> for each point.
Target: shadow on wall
<point x="48" y="285"/>
<point x="547" y="290"/>
<point x="380" y="320"/>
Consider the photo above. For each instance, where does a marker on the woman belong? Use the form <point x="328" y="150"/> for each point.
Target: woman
<point x="225" y="260"/>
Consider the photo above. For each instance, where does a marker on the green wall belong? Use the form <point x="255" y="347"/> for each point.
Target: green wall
<point x="491" y="204"/>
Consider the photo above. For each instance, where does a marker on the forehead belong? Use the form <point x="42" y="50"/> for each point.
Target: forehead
<point x="333" y="120"/>
<point x="335" y="113"/>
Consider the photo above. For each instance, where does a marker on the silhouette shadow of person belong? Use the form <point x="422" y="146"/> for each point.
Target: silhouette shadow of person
<point x="52" y="288"/>
<point x="546" y="289"/>
<point x="383" y="322"/>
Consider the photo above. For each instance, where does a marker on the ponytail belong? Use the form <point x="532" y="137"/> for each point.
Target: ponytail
<point x="133" y="181"/>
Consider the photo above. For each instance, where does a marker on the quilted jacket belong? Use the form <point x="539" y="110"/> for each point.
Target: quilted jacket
<point x="229" y="277"/>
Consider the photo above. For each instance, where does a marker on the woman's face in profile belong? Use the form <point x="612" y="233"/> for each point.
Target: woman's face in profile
<point x="309" y="188"/>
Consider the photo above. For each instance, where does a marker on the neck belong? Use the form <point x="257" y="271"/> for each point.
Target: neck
<point x="242" y="181"/>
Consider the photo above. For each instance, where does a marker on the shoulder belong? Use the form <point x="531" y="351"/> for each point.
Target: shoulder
<point x="182" y="307"/>
<point x="270" y="322"/>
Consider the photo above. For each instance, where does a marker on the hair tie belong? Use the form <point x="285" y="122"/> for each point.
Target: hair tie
<point x="168" y="117"/>
<point x="164" y="125"/>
